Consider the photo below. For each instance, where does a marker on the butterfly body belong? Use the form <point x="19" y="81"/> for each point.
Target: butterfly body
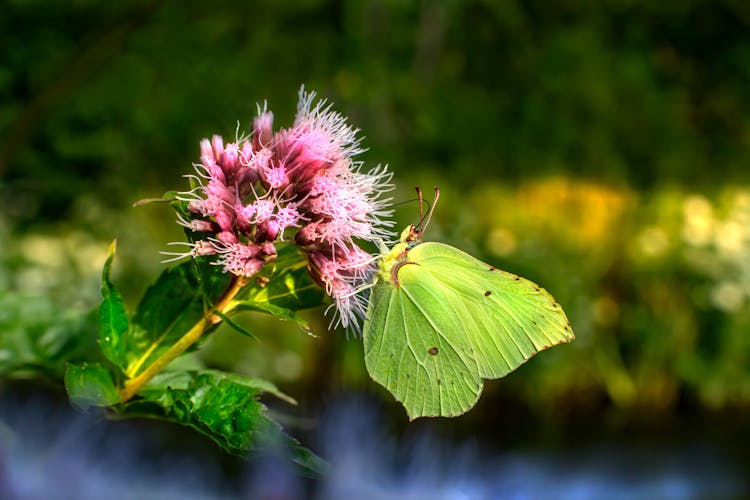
<point x="440" y="322"/>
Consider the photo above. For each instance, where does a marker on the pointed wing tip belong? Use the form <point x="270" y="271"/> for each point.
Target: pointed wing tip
<point x="564" y="340"/>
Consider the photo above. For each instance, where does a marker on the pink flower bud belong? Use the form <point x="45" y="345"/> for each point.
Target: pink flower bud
<point x="217" y="144"/>
<point x="203" y="226"/>
<point x="309" y="235"/>
<point x="267" y="230"/>
<point x="242" y="259"/>
<point x="219" y="190"/>
<point x="263" y="130"/>
<point x="230" y="159"/>
<point x="225" y="219"/>
<point x="245" y="216"/>
<point x="246" y="153"/>
<point x="203" y="248"/>
<point x="227" y="237"/>
<point x="268" y="249"/>
<point x="206" y="149"/>
<point x="196" y="206"/>
<point x="214" y="171"/>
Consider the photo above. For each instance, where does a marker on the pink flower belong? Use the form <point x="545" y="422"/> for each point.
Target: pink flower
<point x="319" y="138"/>
<point x="344" y="274"/>
<point x="247" y="194"/>
<point x="262" y="128"/>
<point x="244" y="259"/>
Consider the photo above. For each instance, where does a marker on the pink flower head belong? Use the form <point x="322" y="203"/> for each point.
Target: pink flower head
<point x="248" y="193"/>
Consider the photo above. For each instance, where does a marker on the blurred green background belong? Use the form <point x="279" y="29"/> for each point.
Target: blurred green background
<point x="598" y="148"/>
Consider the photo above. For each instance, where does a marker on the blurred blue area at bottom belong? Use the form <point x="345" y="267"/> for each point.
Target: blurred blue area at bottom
<point x="47" y="451"/>
<point x="368" y="463"/>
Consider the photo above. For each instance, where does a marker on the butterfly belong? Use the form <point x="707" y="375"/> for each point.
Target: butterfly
<point x="439" y="322"/>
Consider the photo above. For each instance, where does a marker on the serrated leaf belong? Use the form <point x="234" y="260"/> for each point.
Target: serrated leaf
<point x="289" y="289"/>
<point x="90" y="385"/>
<point x="223" y="406"/>
<point x="113" y="319"/>
<point x="181" y="379"/>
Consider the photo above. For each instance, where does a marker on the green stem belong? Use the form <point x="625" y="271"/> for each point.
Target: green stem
<point x="135" y="384"/>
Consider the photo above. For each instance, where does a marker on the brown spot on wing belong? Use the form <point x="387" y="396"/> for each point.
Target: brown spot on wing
<point x="432" y="351"/>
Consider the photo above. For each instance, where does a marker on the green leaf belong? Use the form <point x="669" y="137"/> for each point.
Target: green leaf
<point x="212" y="279"/>
<point x="181" y="379"/>
<point x="289" y="289"/>
<point x="113" y="319"/>
<point x="170" y="197"/>
<point x="310" y="463"/>
<point x="90" y="385"/>
<point x="169" y="308"/>
<point x="223" y="406"/>
<point x="38" y="337"/>
<point x="227" y="412"/>
<point x="236" y="327"/>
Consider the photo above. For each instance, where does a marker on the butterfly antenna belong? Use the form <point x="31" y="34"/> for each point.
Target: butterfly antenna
<point x="421" y="201"/>
<point x="424" y="219"/>
<point x="426" y="222"/>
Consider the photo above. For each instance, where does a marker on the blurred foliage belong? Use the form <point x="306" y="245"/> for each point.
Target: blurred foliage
<point x="599" y="149"/>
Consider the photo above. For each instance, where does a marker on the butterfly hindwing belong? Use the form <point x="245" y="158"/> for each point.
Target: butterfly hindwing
<point x="409" y="353"/>
<point x="447" y="322"/>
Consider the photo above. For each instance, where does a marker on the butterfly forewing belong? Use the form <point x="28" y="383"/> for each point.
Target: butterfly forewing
<point x="450" y="321"/>
<point x="508" y="319"/>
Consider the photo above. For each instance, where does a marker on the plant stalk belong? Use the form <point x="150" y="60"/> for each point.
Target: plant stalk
<point x="135" y="384"/>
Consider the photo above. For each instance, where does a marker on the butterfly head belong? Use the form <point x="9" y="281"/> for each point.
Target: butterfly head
<point x="410" y="234"/>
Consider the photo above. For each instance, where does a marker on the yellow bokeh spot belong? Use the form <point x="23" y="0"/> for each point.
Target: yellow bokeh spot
<point x="728" y="296"/>
<point x="288" y="365"/>
<point x="699" y="221"/>
<point x="501" y="242"/>
<point x="653" y="242"/>
<point x="730" y="237"/>
<point x="579" y="214"/>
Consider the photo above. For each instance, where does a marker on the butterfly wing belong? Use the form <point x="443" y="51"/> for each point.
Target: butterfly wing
<point x="448" y="322"/>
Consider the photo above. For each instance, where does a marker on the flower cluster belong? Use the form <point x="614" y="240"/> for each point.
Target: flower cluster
<point x="299" y="184"/>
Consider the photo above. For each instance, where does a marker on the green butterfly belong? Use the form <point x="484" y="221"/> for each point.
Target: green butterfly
<point x="440" y="321"/>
